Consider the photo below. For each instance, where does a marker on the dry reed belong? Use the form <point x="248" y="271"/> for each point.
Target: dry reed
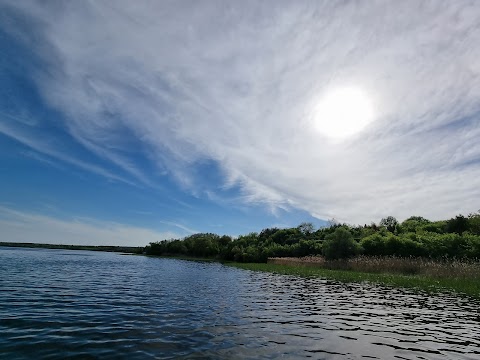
<point x="444" y="268"/>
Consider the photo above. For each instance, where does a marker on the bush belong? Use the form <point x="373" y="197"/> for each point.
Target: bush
<point x="374" y="245"/>
<point x="474" y="223"/>
<point x="340" y="245"/>
<point x="457" y="225"/>
<point x="413" y="223"/>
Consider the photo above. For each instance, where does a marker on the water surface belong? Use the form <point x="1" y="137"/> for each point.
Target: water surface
<point x="57" y="304"/>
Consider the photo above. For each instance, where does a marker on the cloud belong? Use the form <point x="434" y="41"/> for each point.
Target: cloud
<point x="33" y="141"/>
<point x="180" y="226"/>
<point x="20" y="226"/>
<point x="236" y="83"/>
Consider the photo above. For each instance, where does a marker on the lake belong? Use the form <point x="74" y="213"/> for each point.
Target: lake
<point x="57" y="304"/>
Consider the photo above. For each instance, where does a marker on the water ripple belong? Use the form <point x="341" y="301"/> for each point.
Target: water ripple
<point x="57" y="304"/>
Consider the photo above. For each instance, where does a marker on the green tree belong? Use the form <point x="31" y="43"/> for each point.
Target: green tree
<point x="340" y="245"/>
<point x="306" y="228"/>
<point x="458" y="224"/>
<point x="414" y="223"/>
<point x="390" y="223"/>
<point x="474" y="223"/>
<point x="374" y="244"/>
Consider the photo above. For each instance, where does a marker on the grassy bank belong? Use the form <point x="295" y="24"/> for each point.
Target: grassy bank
<point x="467" y="286"/>
<point x="431" y="268"/>
<point x="432" y="276"/>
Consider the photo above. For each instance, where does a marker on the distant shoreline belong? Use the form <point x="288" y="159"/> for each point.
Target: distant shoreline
<point x="121" y="249"/>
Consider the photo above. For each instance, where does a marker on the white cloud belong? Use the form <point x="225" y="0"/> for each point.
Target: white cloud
<point x="180" y="226"/>
<point x="235" y="82"/>
<point x="33" y="141"/>
<point x="18" y="226"/>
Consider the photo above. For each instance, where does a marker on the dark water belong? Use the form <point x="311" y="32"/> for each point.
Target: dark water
<point x="57" y="304"/>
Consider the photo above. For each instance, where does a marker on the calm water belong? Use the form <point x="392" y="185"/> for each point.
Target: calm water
<point x="57" y="304"/>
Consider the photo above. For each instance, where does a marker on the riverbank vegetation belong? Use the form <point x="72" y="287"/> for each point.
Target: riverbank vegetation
<point x="414" y="253"/>
<point x="465" y="285"/>
<point x="435" y="269"/>
<point x="417" y="237"/>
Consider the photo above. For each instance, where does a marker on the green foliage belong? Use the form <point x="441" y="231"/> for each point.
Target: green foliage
<point x="458" y="225"/>
<point x="340" y="245"/>
<point x="390" y="223"/>
<point x="306" y="228"/>
<point x="444" y="245"/>
<point x="434" y="227"/>
<point x="378" y="245"/>
<point x="472" y="246"/>
<point x="414" y="223"/>
<point x="474" y="223"/>
<point x="373" y="245"/>
<point x="458" y="237"/>
<point x="415" y="237"/>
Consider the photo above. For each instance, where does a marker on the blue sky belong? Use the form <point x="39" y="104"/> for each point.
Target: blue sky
<point x="129" y="122"/>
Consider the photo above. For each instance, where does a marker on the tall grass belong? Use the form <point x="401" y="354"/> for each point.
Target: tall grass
<point x="462" y="276"/>
<point x="445" y="268"/>
<point x="464" y="285"/>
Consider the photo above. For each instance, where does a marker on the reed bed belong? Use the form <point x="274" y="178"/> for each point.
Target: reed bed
<point x="462" y="286"/>
<point x="432" y="268"/>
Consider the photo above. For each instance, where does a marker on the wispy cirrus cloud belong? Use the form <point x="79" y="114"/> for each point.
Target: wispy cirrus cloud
<point x="180" y="226"/>
<point x="236" y="83"/>
<point x="35" y="142"/>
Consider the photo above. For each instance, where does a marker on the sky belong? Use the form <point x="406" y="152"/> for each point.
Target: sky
<point x="127" y="122"/>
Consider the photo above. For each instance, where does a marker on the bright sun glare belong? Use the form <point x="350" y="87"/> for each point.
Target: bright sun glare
<point x="342" y="112"/>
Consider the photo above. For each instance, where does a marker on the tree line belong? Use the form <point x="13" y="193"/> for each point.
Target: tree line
<point x="458" y="237"/>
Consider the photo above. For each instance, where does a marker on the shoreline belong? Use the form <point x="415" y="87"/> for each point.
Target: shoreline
<point x="462" y="287"/>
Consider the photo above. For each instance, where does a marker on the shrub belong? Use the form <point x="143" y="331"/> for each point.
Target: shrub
<point x="474" y="223"/>
<point x="413" y="223"/>
<point x="458" y="225"/>
<point x="375" y="245"/>
<point x="340" y="245"/>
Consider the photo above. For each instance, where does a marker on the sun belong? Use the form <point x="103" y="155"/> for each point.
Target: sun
<point x="342" y="112"/>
